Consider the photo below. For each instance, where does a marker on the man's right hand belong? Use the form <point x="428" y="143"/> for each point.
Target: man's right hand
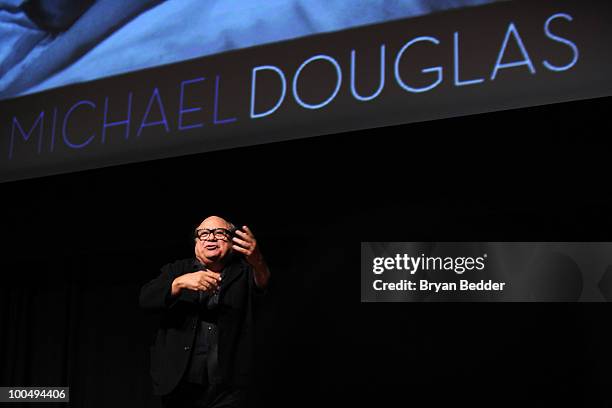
<point x="205" y="281"/>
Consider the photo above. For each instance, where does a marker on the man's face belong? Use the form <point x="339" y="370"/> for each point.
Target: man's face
<point x="212" y="244"/>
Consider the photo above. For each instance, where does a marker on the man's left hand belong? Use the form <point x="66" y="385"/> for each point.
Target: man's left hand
<point x="246" y="244"/>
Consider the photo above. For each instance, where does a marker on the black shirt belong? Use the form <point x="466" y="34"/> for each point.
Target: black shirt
<point x="204" y="360"/>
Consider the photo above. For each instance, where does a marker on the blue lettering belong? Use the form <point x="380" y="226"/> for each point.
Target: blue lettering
<point x="562" y="40"/>
<point x="336" y="89"/>
<point x="459" y="82"/>
<point x="154" y="97"/>
<point x="216" y="119"/>
<point x="39" y="122"/>
<point x="65" y="125"/>
<point x="525" y="61"/>
<point x="381" y="82"/>
<point x="281" y="75"/>
<point x="126" y="122"/>
<point x="53" y="129"/>
<point x="398" y="78"/>
<point x="182" y="111"/>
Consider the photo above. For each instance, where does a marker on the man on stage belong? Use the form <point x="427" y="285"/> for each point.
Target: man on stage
<point x="203" y="350"/>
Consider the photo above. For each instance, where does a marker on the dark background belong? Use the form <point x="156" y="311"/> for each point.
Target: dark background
<point x="77" y="248"/>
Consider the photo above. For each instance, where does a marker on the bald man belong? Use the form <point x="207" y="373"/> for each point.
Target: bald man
<point x="202" y="353"/>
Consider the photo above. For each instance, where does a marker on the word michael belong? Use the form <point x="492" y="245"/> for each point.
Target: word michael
<point x="195" y="102"/>
<point x="427" y="263"/>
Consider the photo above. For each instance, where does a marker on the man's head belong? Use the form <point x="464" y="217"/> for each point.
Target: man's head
<point x="213" y="240"/>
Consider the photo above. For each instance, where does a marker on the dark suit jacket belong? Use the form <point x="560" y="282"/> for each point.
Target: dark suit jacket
<point x="171" y="351"/>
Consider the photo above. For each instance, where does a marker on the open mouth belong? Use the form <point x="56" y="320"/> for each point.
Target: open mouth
<point x="211" y="247"/>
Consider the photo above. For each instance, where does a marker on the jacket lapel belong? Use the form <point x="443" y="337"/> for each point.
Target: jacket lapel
<point x="231" y="273"/>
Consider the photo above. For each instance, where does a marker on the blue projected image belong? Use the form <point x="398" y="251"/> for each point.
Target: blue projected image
<point x="50" y="43"/>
